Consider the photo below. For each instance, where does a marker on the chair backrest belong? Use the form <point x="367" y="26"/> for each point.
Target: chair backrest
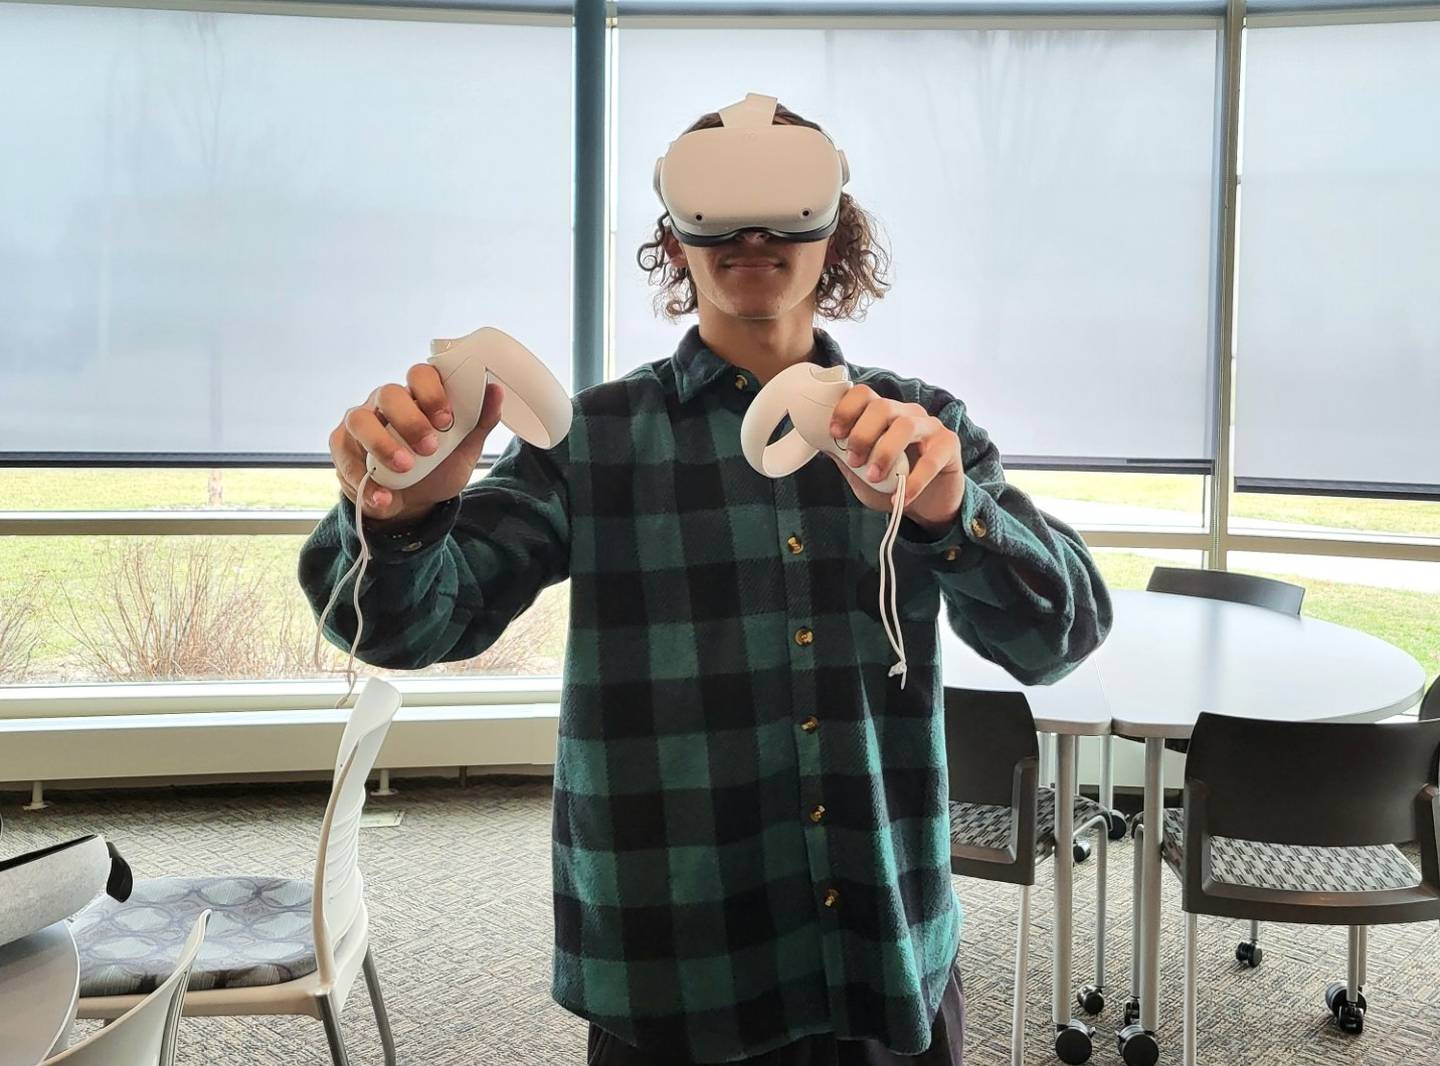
<point x="339" y="892"/>
<point x="145" y="1034"/>
<point x="1430" y="705"/>
<point x="987" y="735"/>
<point x="1226" y="585"/>
<point x="993" y="759"/>
<point x="1321" y="784"/>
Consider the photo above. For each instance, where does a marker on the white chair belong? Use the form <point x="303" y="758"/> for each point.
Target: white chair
<point x="145" y="1034"/>
<point x="276" y="946"/>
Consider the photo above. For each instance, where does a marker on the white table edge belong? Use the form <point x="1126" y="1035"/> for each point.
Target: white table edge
<point x="1143" y="731"/>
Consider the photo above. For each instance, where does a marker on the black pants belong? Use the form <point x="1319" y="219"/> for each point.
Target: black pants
<point x="947" y="1045"/>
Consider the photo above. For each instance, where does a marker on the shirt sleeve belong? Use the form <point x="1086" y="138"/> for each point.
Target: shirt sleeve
<point x="1020" y="586"/>
<point x="446" y="588"/>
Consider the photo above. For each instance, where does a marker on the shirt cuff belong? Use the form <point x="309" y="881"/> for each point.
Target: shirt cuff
<point x="967" y="538"/>
<point x="398" y="543"/>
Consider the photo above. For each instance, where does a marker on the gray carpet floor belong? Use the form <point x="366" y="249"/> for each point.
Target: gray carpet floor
<point x="459" y="895"/>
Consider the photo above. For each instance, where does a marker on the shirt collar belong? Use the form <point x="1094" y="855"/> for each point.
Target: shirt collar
<point x="697" y="367"/>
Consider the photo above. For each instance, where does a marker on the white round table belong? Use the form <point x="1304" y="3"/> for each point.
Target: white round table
<point x="39" y="987"/>
<point x="1170" y="657"/>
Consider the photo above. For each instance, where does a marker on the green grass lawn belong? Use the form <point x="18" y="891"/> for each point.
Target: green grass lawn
<point x="1184" y="495"/>
<point x="51" y="573"/>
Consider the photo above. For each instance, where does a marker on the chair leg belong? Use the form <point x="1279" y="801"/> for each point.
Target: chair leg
<point x="1102" y="862"/>
<point x="1355" y="963"/>
<point x="1364" y="947"/>
<point x="1192" y="926"/>
<point x="382" y="1020"/>
<point x="1022" y="969"/>
<point x="331" y="1018"/>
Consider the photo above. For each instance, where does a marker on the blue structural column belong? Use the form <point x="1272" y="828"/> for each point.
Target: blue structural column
<point x="588" y="286"/>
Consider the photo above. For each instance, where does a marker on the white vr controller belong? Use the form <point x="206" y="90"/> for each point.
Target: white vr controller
<point x="808" y="394"/>
<point x="536" y="406"/>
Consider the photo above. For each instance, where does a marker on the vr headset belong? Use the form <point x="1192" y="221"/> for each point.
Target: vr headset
<point x="750" y="174"/>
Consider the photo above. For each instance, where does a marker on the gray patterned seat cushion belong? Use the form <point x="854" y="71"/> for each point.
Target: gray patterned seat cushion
<point x="979" y="825"/>
<point x="258" y="934"/>
<point x="1291" y="868"/>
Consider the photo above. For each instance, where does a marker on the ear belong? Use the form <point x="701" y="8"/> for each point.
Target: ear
<point x="832" y="253"/>
<point x="675" y="251"/>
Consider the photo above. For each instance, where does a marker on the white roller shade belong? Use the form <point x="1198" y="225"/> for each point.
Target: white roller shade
<point x="1047" y="196"/>
<point x="218" y="231"/>
<point x="1338" y="329"/>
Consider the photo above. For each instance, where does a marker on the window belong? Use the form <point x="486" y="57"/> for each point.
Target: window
<point x="1047" y="198"/>
<point x="234" y="226"/>
<point x="1338" y="333"/>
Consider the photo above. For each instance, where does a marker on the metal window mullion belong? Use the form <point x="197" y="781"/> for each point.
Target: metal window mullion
<point x="549" y="14"/>
<point x="1223" y="483"/>
<point x="588" y="264"/>
<point x="1266" y="15"/>
<point x="891" y="21"/>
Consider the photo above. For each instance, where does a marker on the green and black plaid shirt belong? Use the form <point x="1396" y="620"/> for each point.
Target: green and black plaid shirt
<point x="751" y="833"/>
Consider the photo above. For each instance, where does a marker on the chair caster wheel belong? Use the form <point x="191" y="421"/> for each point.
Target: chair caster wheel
<point x="1132" y="1013"/>
<point x="1072" y="1043"/>
<point x="1118" y="826"/>
<point x="1090" y="999"/>
<point x="1081" y="850"/>
<point x="1137" y="1047"/>
<point x="1248" y="954"/>
<point x="1351" y="1019"/>
<point x="1349" y="1016"/>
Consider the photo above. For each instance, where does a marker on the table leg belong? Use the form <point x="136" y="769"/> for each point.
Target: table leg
<point x="1151" y="874"/>
<point x="1138" y="1046"/>
<point x="1064" y="879"/>
<point x="1072" y="1037"/>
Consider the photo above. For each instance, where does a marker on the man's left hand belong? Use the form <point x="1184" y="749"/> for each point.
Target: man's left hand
<point x="877" y="432"/>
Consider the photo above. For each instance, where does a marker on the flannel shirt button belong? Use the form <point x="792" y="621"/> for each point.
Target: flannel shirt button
<point x="413" y="546"/>
<point x="832" y="897"/>
<point x="951" y="554"/>
<point x="977" y="528"/>
<point x="795" y="545"/>
<point x="810" y="724"/>
<point x="818" y="812"/>
<point x="741" y="381"/>
<point x="804" y="637"/>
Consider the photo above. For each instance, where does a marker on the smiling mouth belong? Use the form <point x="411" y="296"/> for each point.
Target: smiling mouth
<point x="753" y="264"/>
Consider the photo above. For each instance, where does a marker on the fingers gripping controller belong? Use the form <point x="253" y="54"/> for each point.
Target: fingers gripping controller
<point x="536" y="407"/>
<point x="808" y="394"/>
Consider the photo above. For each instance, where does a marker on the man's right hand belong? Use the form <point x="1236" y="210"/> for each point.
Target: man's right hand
<point x="417" y="410"/>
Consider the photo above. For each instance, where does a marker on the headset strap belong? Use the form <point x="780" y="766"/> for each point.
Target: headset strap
<point x="754" y="110"/>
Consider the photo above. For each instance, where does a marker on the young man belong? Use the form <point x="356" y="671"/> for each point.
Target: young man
<point x="751" y="832"/>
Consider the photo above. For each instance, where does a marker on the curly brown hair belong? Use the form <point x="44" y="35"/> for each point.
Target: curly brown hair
<point x="856" y="266"/>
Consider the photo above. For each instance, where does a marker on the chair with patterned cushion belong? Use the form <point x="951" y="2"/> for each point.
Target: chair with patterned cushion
<point x="1002" y="825"/>
<point x="145" y="1034"/>
<point x="1300" y="822"/>
<point x="276" y="945"/>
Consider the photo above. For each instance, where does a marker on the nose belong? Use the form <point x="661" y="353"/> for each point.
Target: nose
<point x="753" y="236"/>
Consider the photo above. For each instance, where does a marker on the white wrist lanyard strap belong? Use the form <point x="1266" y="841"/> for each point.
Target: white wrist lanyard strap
<point x="361" y="563"/>
<point x="891" y="621"/>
